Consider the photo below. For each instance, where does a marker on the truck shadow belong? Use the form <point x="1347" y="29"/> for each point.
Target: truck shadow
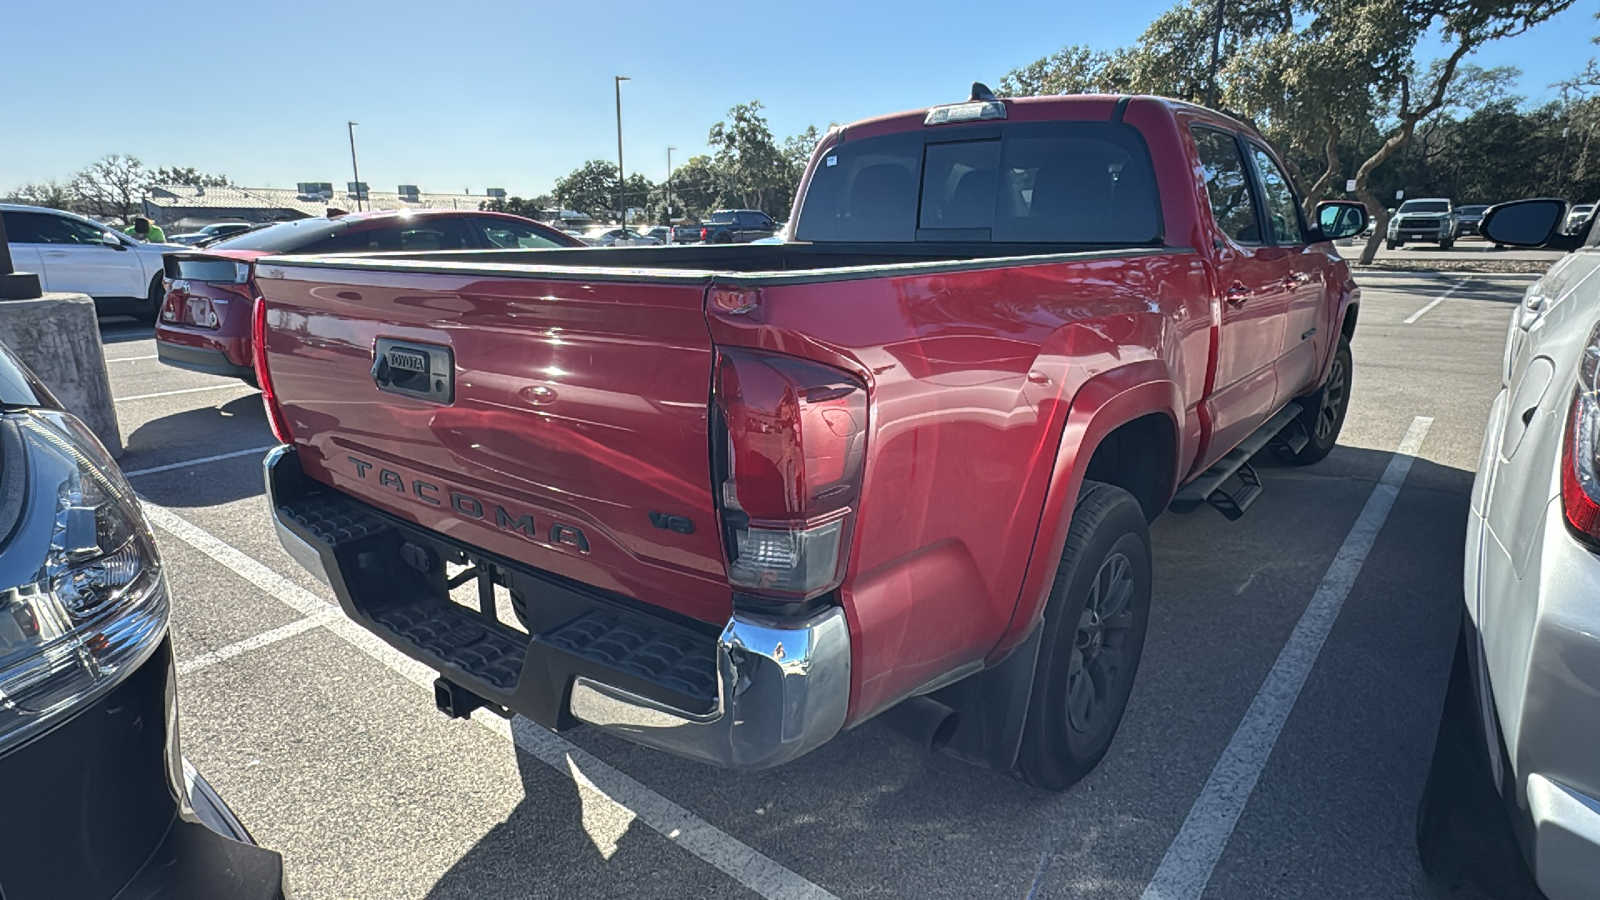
<point x="870" y="812"/>
<point x="241" y="423"/>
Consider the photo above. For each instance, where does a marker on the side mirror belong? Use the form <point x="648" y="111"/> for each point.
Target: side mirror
<point x="110" y="239"/>
<point x="1341" y="219"/>
<point x="1524" y="223"/>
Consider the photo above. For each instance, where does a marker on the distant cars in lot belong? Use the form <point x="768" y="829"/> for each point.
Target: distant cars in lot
<point x="211" y="232"/>
<point x="1532" y="573"/>
<point x="98" y="802"/>
<point x="737" y="226"/>
<point x="1468" y="217"/>
<point x="686" y="234"/>
<point x="204" y="323"/>
<point x="1428" y="221"/>
<point x="1576" y="217"/>
<point x="605" y="236"/>
<point x="73" y="254"/>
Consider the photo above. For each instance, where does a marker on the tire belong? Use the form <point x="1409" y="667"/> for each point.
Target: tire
<point x="1324" y="412"/>
<point x="1094" y="622"/>
<point x="723" y="238"/>
<point x="1447" y="244"/>
<point x="156" y="297"/>
<point x="1393" y="244"/>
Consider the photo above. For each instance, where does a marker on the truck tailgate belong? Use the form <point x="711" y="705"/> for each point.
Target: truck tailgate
<point x="573" y="438"/>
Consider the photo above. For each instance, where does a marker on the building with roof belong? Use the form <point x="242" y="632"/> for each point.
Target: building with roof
<point x="187" y="207"/>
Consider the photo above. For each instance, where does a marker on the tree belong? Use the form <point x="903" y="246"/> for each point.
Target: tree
<point x="531" y="209"/>
<point x="592" y="188"/>
<point x="191" y="176"/>
<point x="52" y="194"/>
<point x="751" y="166"/>
<point x="696" y="185"/>
<point x="112" y="187"/>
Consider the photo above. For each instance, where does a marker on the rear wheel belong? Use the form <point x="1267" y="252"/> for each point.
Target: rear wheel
<point x="723" y="238"/>
<point x="1322" y="414"/>
<point x="154" y="299"/>
<point x="1094" y="628"/>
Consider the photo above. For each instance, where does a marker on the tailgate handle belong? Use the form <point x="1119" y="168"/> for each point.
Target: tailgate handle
<point x="412" y="369"/>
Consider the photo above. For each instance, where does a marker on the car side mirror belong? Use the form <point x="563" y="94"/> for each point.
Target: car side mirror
<point x="111" y="240"/>
<point x="1341" y="219"/>
<point x="1527" y="223"/>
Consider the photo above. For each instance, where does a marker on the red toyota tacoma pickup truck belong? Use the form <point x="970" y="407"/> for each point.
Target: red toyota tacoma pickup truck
<point x="726" y="501"/>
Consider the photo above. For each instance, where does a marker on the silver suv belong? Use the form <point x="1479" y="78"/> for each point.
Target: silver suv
<point x="1430" y="221"/>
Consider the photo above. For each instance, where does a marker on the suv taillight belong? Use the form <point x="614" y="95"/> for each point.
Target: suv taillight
<point x="1580" y="454"/>
<point x="269" y="396"/>
<point x="788" y="467"/>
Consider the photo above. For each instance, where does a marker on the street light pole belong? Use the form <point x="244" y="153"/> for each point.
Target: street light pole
<point x="669" y="185"/>
<point x="353" y="167"/>
<point x="622" y="179"/>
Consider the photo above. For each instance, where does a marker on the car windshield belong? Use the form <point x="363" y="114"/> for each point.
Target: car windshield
<point x="1473" y="210"/>
<point x="1425" y="206"/>
<point x="1583" y="208"/>
<point x="284" y="236"/>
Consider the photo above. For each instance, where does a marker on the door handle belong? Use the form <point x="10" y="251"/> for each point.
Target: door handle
<point x="1295" y="280"/>
<point x="1236" y="294"/>
<point x="56" y="254"/>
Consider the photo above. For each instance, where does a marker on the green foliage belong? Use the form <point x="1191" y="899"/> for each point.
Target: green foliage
<point x="191" y="176"/>
<point x="592" y="188"/>
<point x="52" y="194"/>
<point x="530" y="209"/>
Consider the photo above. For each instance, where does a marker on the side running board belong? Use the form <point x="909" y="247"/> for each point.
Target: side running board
<point x="1284" y="427"/>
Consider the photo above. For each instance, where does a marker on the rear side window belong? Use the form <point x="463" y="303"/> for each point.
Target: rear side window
<point x="1228" y="186"/>
<point x="284" y="237"/>
<point x="1070" y="183"/>
<point x="510" y="234"/>
<point x="399" y="233"/>
<point x="23" y="228"/>
<point x="1283" y="210"/>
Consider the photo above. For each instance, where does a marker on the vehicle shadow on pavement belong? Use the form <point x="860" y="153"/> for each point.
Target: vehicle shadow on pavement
<point x="239" y="424"/>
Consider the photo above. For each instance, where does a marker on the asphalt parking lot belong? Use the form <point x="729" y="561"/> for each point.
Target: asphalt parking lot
<point x="1276" y="744"/>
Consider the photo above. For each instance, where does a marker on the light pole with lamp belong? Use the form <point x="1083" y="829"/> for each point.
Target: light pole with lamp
<point x="669" y="187"/>
<point x="622" y="179"/>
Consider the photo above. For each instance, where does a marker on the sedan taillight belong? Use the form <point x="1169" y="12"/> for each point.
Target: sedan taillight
<point x="1580" y="456"/>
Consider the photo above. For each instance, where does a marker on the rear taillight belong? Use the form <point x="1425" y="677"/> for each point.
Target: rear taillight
<point x="258" y="344"/>
<point x="792" y="443"/>
<point x="705" y="234"/>
<point x="1580" y="455"/>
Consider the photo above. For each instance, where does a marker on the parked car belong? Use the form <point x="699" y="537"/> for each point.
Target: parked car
<point x="733" y="578"/>
<point x="1532" y="574"/>
<point x="662" y="233"/>
<point x="204" y="324"/>
<point x="606" y="236"/>
<point x="98" y="804"/>
<point x="737" y="226"/>
<point x="211" y="232"/>
<point x="1467" y="219"/>
<point x="1431" y="221"/>
<point x="1576" y="217"/>
<point x="686" y="234"/>
<point x="73" y="254"/>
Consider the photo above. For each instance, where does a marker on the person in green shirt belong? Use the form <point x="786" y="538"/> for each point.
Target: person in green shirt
<point x="146" y="230"/>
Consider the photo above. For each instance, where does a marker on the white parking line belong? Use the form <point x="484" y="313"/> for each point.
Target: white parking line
<point x="617" y="793"/>
<point x="264" y="639"/>
<point x="212" y="387"/>
<point x="1187" y="866"/>
<point x="1435" y="302"/>
<point x="195" y="462"/>
<point x="128" y="358"/>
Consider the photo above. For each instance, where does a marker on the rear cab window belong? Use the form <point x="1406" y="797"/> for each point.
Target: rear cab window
<point x="1022" y="182"/>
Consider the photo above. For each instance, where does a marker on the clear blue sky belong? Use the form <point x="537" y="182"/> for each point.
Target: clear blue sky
<point x="469" y="94"/>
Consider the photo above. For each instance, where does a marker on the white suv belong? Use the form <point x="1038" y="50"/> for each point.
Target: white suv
<point x="77" y="255"/>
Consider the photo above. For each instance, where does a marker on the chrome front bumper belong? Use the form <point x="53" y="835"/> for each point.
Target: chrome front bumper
<point x="782" y="685"/>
